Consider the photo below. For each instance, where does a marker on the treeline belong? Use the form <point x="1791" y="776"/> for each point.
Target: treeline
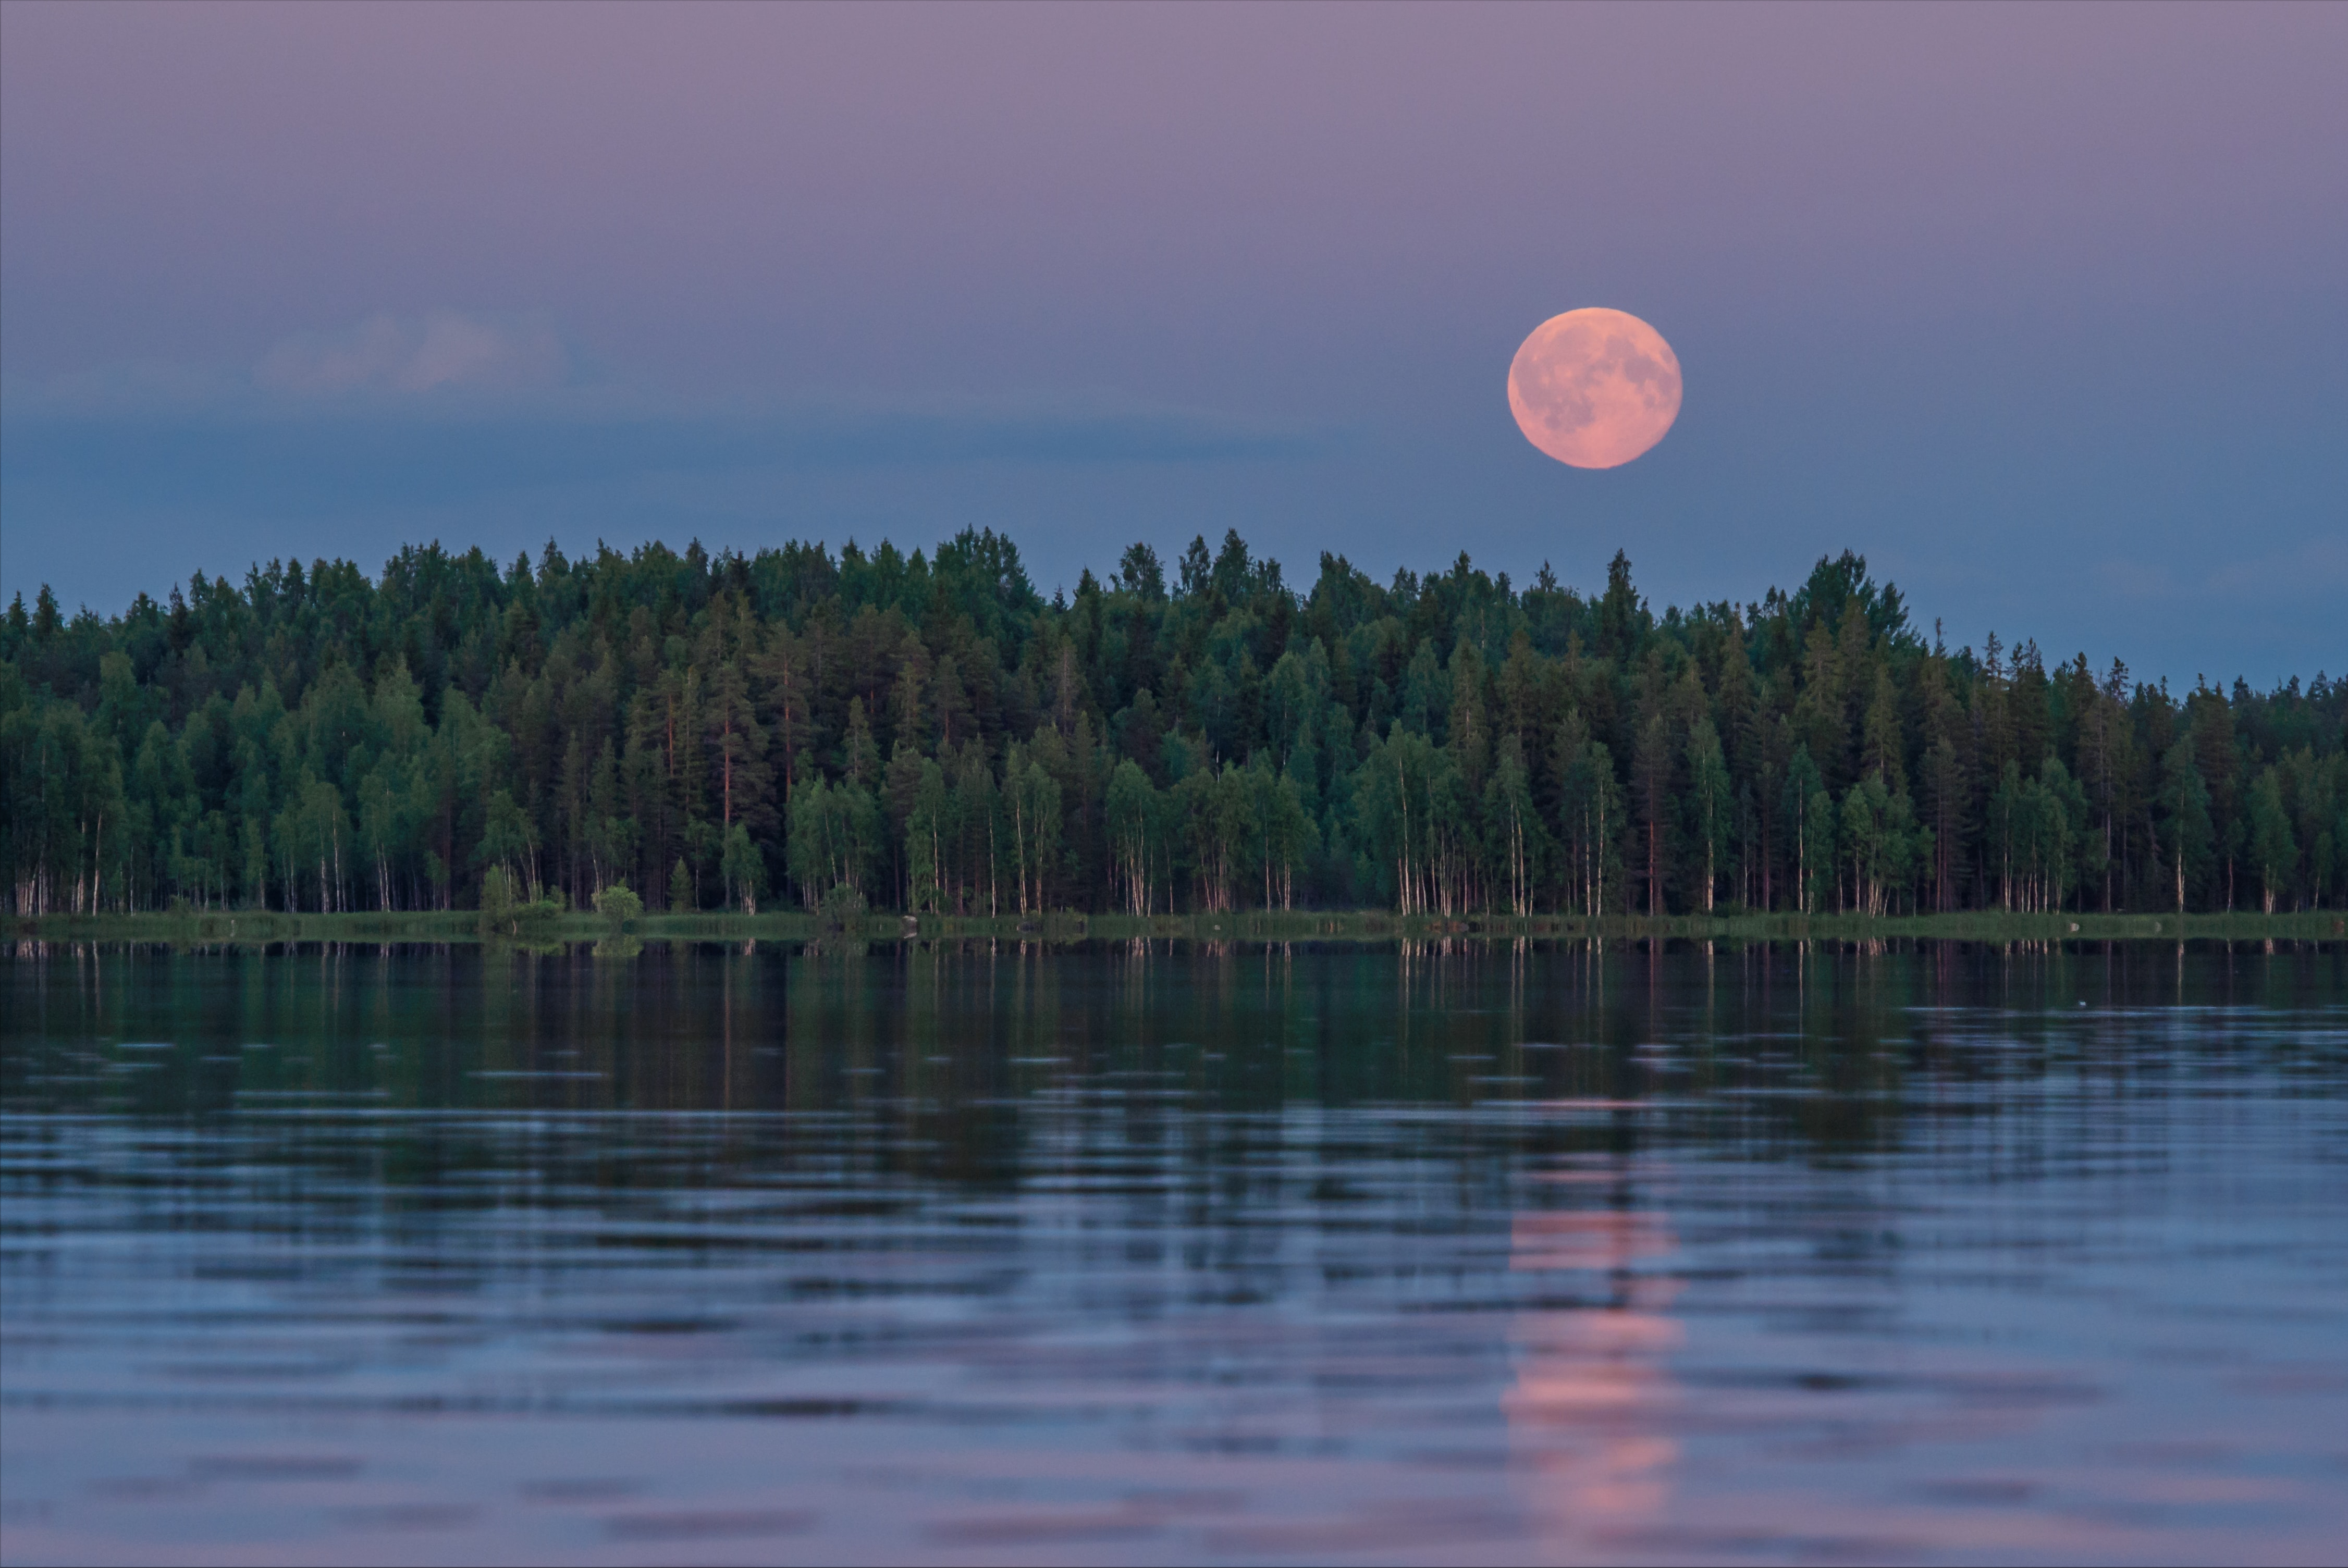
<point x="927" y="733"/>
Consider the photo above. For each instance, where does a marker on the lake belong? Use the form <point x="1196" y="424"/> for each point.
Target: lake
<point x="1482" y="1252"/>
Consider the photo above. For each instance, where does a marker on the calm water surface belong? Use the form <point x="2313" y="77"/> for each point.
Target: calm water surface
<point x="1486" y="1254"/>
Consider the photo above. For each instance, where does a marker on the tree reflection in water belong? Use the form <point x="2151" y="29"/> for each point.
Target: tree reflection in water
<point x="952" y="1251"/>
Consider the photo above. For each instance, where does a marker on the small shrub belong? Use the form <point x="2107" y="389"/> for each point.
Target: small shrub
<point x="618" y="903"/>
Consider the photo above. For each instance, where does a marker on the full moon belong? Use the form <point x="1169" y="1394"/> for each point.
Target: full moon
<point x="1594" y="387"/>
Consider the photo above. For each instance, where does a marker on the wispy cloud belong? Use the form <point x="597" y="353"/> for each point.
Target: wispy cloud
<point x="471" y="426"/>
<point x="440" y="349"/>
<point x="433" y="362"/>
<point x="457" y="395"/>
<point x="2297" y="572"/>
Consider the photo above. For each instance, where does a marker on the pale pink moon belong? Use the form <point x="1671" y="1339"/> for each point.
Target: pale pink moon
<point x="1594" y="387"/>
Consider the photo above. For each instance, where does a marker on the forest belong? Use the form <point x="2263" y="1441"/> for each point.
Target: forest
<point x="928" y="734"/>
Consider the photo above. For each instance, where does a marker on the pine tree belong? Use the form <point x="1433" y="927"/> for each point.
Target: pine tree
<point x="316" y="739"/>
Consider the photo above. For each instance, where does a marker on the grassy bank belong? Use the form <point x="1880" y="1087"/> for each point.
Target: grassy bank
<point x="1328" y="925"/>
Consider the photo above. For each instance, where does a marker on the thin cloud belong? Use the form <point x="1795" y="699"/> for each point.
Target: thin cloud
<point x="440" y="349"/>
<point x="481" y="392"/>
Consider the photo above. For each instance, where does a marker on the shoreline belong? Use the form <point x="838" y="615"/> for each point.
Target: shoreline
<point x="1369" y="927"/>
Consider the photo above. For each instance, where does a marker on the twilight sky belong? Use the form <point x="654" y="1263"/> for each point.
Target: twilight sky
<point x="2044" y="310"/>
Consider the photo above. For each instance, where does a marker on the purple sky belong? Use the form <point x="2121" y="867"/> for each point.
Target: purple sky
<point x="2041" y="309"/>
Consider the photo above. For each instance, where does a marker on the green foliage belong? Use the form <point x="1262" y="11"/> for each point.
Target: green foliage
<point x="497" y="895"/>
<point x="925" y="731"/>
<point x="1137" y="814"/>
<point x="1708" y="804"/>
<point x="504" y="909"/>
<point x="2187" y="833"/>
<point x="619" y="905"/>
<point x="2273" y="849"/>
<point x="835" y="839"/>
<point x="744" y="870"/>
